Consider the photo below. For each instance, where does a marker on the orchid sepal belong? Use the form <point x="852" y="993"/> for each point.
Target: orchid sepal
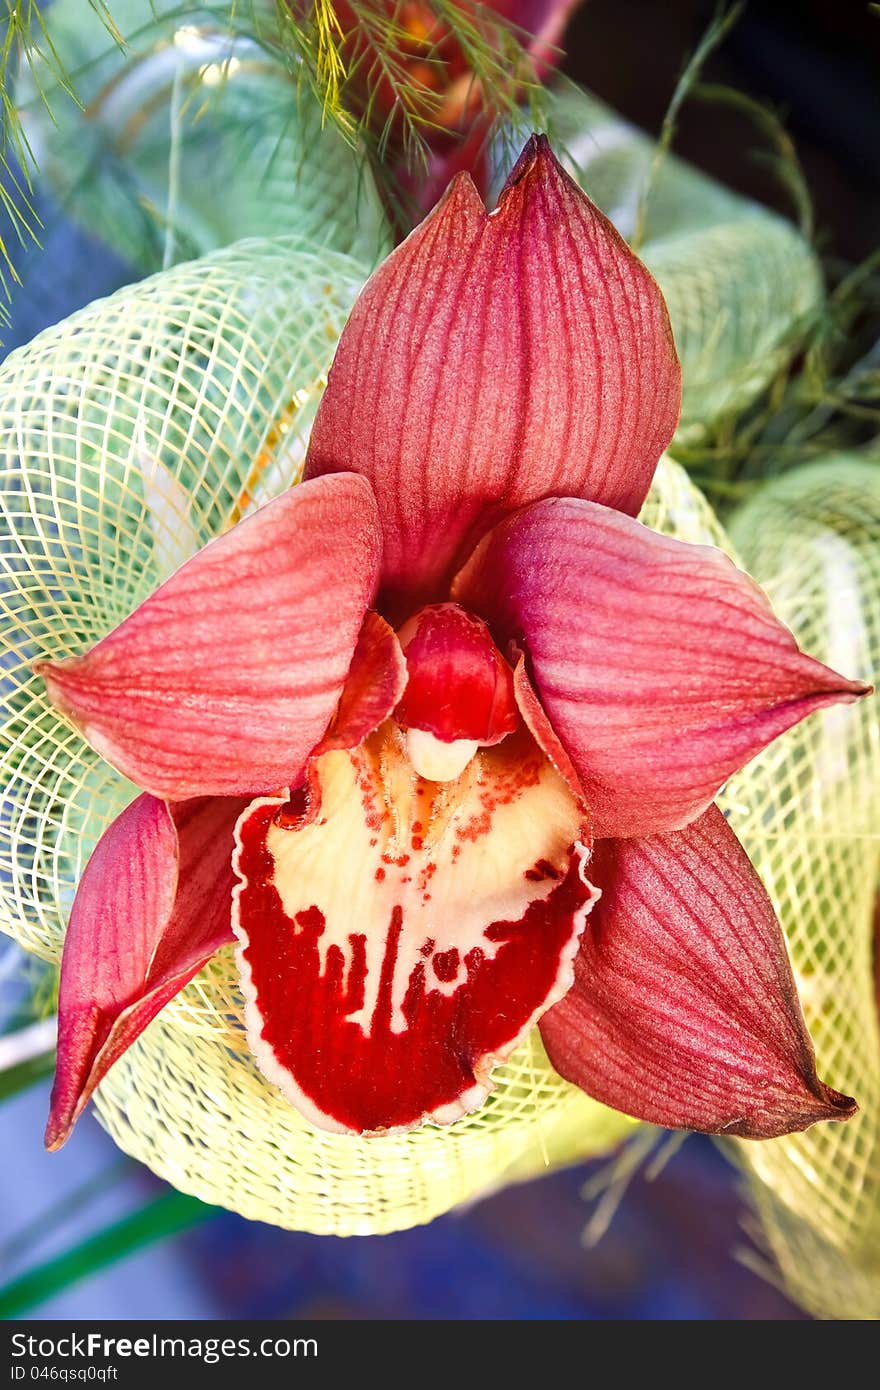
<point x="684" y="1010"/>
<point x="524" y="352"/>
<point x="238" y="638"/>
<point x="660" y="666"/>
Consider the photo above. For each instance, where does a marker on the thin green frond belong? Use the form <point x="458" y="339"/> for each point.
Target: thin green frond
<point x="826" y="400"/>
<point x="27" y="45"/>
<point x="781" y="156"/>
<point x="721" y="24"/>
<point x="26" y="1056"/>
<point x="51" y="1219"/>
<point x="378" y="86"/>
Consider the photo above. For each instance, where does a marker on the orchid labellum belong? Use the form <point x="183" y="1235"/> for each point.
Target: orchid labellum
<point x="435" y="735"/>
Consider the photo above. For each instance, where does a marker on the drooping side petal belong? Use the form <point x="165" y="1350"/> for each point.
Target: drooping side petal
<point x="660" y="665"/>
<point x="153" y="905"/>
<point x="225" y="678"/>
<point x="684" y="1011"/>
<point x="493" y="360"/>
<point x="374" y="684"/>
<point x="400" y="944"/>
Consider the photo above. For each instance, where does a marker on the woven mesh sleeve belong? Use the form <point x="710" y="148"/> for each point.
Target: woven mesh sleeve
<point x="808" y="811"/>
<point x="193" y="136"/>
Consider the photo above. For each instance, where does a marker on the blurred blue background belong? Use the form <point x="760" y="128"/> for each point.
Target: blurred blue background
<point x="517" y="1255"/>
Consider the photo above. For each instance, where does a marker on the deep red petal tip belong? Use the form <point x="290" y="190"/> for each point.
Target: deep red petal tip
<point x="824" y="1105"/>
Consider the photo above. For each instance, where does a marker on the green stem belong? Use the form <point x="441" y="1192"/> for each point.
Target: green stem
<point x="165" y="1216"/>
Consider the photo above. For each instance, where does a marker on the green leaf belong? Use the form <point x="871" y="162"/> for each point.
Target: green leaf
<point x="25" y="1074"/>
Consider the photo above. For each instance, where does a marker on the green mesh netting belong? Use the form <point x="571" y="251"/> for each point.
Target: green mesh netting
<point x="808" y="812"/>
<point x="741" y="283"/>
<point x="190" y="138"/>
<point x="131" y="433"/>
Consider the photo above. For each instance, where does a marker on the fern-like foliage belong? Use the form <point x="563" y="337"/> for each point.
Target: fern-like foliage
<point x="26" y="39"/>
<point x="391" y="75"/>
<point x="382" y="69"/>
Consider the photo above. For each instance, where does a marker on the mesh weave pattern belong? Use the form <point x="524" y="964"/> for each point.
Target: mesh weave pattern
<point x="808" y="811"/>
<point x="132" y="433"/>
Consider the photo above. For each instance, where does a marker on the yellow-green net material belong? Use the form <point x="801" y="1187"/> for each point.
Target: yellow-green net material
<point x="808" y="812"/>
<point x="193" y="135"/>
<point x="741" y="283"/>
<point x="130" y="435"/>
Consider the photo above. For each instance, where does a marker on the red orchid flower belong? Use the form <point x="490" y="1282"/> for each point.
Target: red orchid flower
<point x="445" y="94"/>
<point x="483" y="711"/>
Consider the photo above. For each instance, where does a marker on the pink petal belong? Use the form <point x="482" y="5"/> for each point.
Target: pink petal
<point x="660" y="665"/>
<point x="684" y="1011"/>
<point x="223" y="681"/>
<point x="374" y="684"/>
<point x="152" y="907"/>
<point x="492" y="360"/>
<point x="399" y="945"/>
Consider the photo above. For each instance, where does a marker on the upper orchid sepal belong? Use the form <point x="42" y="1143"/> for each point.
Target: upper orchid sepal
<point x="505" y="356"/>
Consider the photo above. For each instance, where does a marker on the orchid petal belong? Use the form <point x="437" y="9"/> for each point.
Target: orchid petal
<point x="223" y="681"/>
<point x="660" y="665"/>
<point x="397" y="946"/>
<point x="153" y="906"/>
<point x="374" y="684"/>
<point x="684" y="1010"/>
<point x="494" y="359"/>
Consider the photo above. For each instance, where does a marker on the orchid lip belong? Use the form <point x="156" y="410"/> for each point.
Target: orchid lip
<point x="471" y="898"/>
